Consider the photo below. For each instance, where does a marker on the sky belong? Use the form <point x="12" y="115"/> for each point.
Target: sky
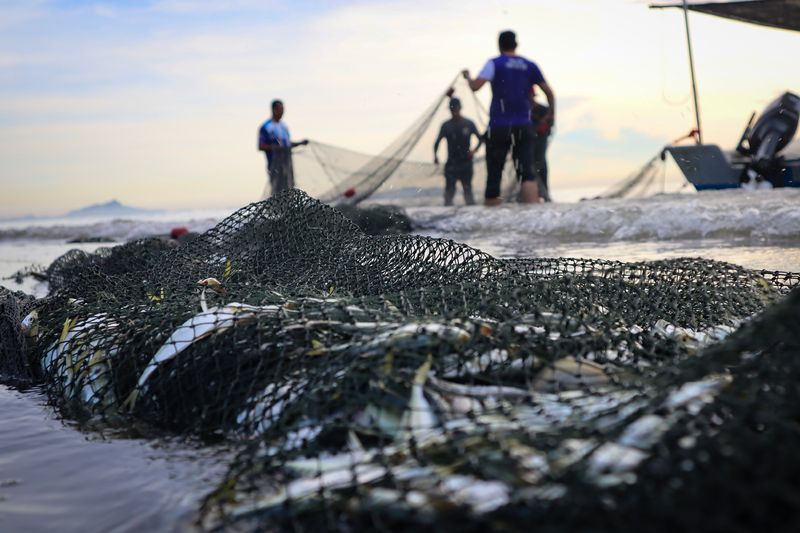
<point x="157" y="103"/>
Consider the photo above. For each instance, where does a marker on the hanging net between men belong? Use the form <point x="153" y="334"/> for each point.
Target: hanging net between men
<point x="403" y="173"/>
<point x="403" y="381"/>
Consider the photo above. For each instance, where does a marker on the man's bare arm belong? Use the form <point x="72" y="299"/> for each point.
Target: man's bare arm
<point x="480" y="139"/>
<point x="436" y="145"/>
<point x="474" y="85"/>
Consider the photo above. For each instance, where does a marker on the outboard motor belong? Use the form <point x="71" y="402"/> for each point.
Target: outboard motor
<point x="773" y="130"/>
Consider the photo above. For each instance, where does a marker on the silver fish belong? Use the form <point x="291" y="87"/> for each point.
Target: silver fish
<point x="267" y="407"/>
<point x="613" y="458"/>
<point x="494" y="359"/>
<point x="416" y="335"/>
<point x="693" y="394"/>
<point x="419" y="420"/>
<point x="479" y="495"/>
<point x="570" y="373"/>
<point x="456" y="405"/>
<point x="212" y="321"/>
<point x="30" y="324"/>
<point x="375" y="420"/>
<point x="478" y="391"/>
<point x="80" y="362"/>
<point x="329" y="463"/>
<point x="644" y="432"/>
<point x="305" y="488"/>
<point x="570" y="451"/>
<point x="694" y="341"/>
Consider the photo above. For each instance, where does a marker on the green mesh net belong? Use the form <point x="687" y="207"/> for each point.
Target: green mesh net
<point x="392" y="382"/>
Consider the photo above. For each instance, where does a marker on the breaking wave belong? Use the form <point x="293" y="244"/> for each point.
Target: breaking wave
<point x="717" y="214"/>
<point x="116" y="230"/>
<point x="735" y="213"/>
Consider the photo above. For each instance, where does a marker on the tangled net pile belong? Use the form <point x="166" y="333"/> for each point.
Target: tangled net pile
<point x="398" y="382"/>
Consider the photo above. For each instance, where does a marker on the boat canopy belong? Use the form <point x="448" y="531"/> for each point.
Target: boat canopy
<point x="783" y="14"/>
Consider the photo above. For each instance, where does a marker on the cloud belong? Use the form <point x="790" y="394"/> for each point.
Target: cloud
<point x="188" y="83"/>
<point x="13" y="14"/>
<point x="591" y="156"/>
<point x="212" y="7"/>
<point x="625" y="143"/>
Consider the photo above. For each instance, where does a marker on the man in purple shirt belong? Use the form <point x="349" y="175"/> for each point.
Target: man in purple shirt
<point x="511" y="77"/>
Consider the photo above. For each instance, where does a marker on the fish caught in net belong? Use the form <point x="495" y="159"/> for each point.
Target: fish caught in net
<point x="391" y="382"/>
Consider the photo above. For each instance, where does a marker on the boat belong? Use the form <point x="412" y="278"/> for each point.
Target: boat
<point x="765" y="156"/>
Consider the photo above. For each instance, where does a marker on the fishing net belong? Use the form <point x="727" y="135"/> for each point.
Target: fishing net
<point x="14" y="367"/>
<point x="646" y="181"/>
<point x="391" y="382"/>
<point x="403" y="173"/>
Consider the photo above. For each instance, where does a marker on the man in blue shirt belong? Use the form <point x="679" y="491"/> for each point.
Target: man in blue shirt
<point x="275" y="142"/>
<point x="510" y="128"/>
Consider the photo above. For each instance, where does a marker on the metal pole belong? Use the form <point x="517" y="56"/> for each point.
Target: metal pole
<point x="691" y="69"/>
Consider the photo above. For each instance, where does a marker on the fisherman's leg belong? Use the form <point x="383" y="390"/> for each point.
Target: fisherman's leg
<point x="529" y="186"/>
<point x="279" y="183"/>
<point x="289" y="171"/>
<point x="515" y="156"/>
<point x="544" y="173"/>
<point x="540" y="163"/>
<point x="281" y="179"/>
<point x="466" y="184"/>
<point x="274" y="180"/>
<point x="497" y="144"/>
<point x="268" y="187"/>
<point x="450" y="179"/>
<point x="283" y="169"/>
<point x="515" y="166"/>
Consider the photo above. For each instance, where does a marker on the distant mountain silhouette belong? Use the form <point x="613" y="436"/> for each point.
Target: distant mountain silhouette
<point x="112" y="208"/>
<point x="19" y="218"/>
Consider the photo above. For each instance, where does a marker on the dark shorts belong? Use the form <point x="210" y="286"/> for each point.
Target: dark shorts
<point x="519" y="140"/>
<point x="454" y="172"/>
<point x="458" y="170"/>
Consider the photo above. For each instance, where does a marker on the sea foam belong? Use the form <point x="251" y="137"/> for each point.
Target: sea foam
<point x="714" y="214"/>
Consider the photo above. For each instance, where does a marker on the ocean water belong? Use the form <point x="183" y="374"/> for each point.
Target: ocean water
<point x="759" y="229"/>
<point x="55" y="476"/>
<point x="118" y="229"/>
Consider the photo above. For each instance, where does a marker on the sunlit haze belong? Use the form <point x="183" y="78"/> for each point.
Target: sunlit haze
<point x="158" y="103"/>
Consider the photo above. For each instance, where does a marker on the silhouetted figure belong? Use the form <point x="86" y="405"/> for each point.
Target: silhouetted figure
<point x="511" y="77"/>
<point x="543" y="127"/>
<point x="275" y="142"/>
<point x="458" y="131"/>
